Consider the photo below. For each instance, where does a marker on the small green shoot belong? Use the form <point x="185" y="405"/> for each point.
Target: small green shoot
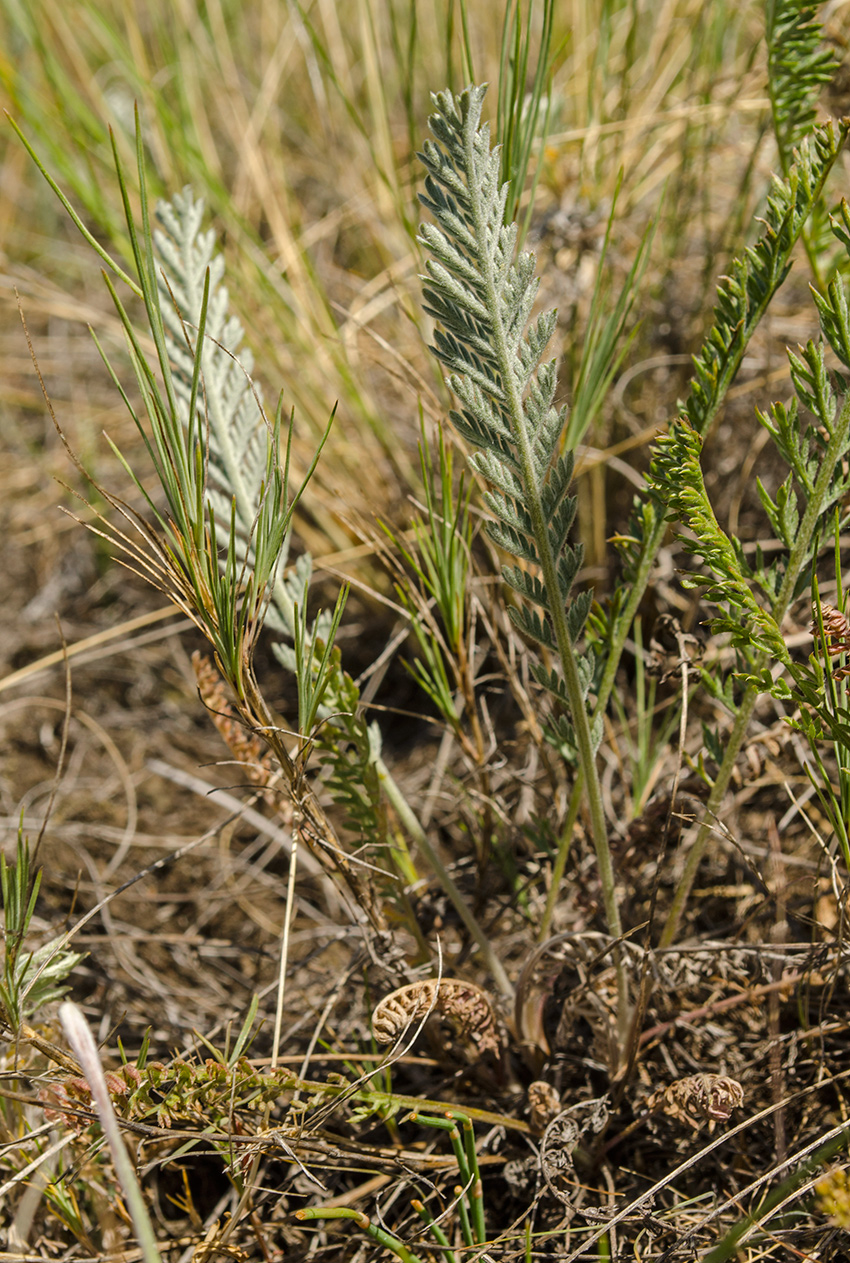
<point x="380" y="1235"/>
<point x="31" y="979"/>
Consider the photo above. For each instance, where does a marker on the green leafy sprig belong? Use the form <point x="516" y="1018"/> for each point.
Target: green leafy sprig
<point x="817" y="455"/>
<point x="743" y="297"/>
<point x="742" y="300"/>
<point x="30" y="978"/>
<point x="798" y="65"/>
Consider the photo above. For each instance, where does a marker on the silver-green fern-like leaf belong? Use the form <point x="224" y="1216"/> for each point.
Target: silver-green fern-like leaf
<point x="482" y="294"/>
<point x="482" y="297"/>
<point x="229" y="406"/>
<point x="229" y="413"/>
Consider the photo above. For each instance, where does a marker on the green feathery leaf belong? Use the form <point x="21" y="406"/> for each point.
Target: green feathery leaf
<point x="798" y="65"/>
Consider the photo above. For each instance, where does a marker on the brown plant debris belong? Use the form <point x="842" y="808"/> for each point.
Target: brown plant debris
<point x="560" y="1140"/>
<point x="670" y="648"/>
<point x="466" y="1006"/>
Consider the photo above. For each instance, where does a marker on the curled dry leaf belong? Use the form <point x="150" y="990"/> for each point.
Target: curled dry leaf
<point x="520" y="1174"/>
<point x="560" y="1139"/>
<point x="466" y="1006"/>
<point x="566" y="981"/>
<point x="670" y="647"/>
<point x="699" y="1098"/>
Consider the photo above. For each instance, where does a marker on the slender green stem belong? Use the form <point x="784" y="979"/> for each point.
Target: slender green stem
<point x="463" y="1212"/>
<point x="476" y="1193"/>
<point x="472" y="1214"/>
<point x="649" y="552"/>
<point x="715" y="800"/>
<point x="436" y="1231"/>
<point x="380" y="1235"/>
<point x="561" y="858"/>
<point x="414" y="830"/>
<point x="566" y="652"/>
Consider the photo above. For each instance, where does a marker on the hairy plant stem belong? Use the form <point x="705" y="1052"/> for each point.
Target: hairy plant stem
<point x="566" y="652"/>
<point x="796" y="561"/>
<point x="652" y="543"/>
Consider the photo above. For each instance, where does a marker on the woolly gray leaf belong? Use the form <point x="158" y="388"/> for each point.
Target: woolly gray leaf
<point x="529" y="622"/>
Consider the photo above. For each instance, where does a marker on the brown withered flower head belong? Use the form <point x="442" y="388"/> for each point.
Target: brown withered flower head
<point x="836" y="632"/>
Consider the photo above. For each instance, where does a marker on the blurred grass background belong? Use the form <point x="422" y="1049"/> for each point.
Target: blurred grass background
<point x="298" y="126"/>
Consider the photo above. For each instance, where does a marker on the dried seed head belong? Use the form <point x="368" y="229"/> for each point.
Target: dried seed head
<point x="245" y="746"/>
<point x="699" y="1098"/>
<point x="466" y="1006"/>
<point x="400" y="1009"/>
<point x="560" y="1140"/>
<point x="835" y="626"/>
<point x="836" y="632"/>
<point x="720" y="1095"/>
<point x="544" y="1104"/>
